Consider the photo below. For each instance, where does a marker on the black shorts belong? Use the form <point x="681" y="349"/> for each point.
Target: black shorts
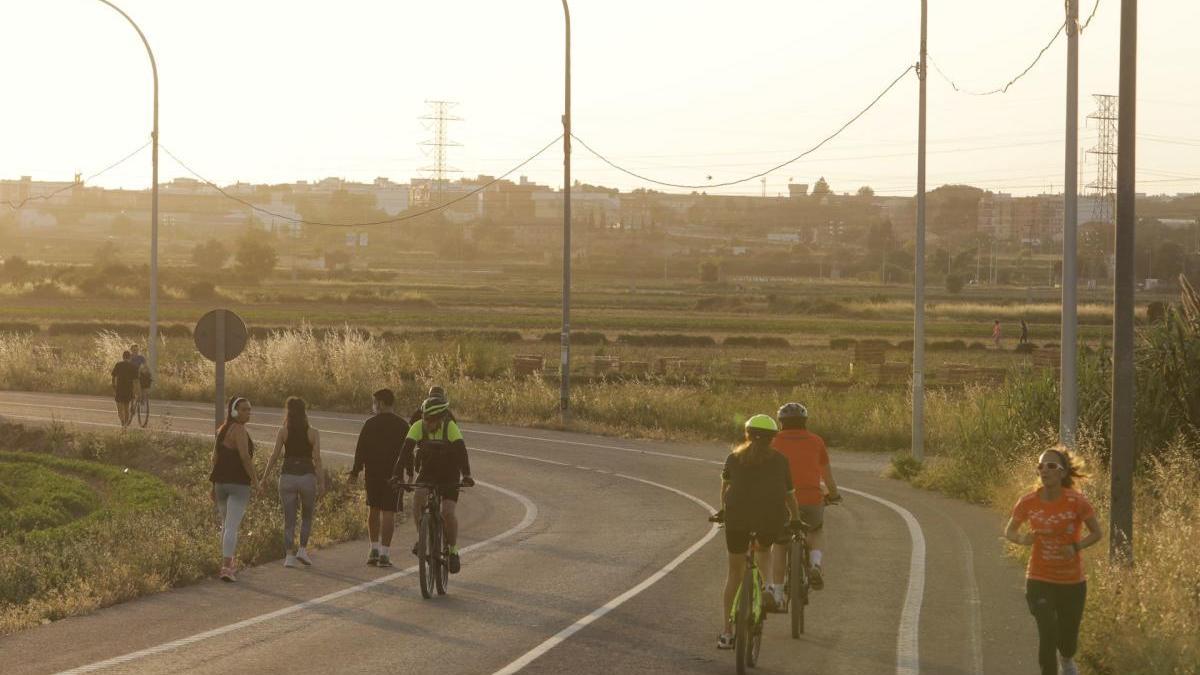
<point x="124" y="396"/>
<point x="380" y="493"/>
<point x="449" y="491"/>
<point x="738" y="541"/>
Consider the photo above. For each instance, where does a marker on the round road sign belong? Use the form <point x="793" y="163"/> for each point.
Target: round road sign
<point x="205" y="334"/>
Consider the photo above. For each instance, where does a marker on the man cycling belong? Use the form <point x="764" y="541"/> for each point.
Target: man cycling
<point x="809" y="462"/>
<point x="436" y="452"/>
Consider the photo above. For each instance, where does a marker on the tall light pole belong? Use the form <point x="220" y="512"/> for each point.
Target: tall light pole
<point x="918" y="373"/>
<point x="153" y="343"/>
<point x="1122" y="464"/>
<point x="1068" y="384"/>
<point x="564" y="400"/>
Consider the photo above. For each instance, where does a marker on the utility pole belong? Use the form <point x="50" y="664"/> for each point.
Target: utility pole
<point x="918" y="380"/>
<point x="1122" y="464"/>
<point x="1067" y="386"/>
<point x="564" y="396"/>
<point x="153" y="341"/>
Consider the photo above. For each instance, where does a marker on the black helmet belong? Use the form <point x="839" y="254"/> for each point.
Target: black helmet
<point x="792" y="411"/>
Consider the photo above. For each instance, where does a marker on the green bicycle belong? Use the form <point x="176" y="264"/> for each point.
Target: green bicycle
<point x="748" y="613"/>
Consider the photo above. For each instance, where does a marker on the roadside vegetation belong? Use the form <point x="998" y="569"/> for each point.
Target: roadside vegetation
<point x="90" y="520"/>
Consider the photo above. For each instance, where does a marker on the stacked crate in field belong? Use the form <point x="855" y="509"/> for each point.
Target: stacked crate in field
<point x="894" y="373"/>
<point x="603" y="365"/>
<point x="665" y="364"/>
<point x="528" y="364"/>
<point x="806" y="372"/>
<point x="635" y="368"/>
<point x="756" y="368"/>
<point x="869" y="354"/>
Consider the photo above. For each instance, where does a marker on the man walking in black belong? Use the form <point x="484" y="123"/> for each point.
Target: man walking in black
<point x="378" y="449"/>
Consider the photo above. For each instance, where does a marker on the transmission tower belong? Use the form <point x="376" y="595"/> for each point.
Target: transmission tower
<point x="1104" y="188"/>
<point x="436" y="120"/>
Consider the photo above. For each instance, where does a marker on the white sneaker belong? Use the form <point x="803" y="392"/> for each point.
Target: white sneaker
<point x="1067" y="666"/>
<point x="290" y="561"/>
<point x="777" y="593"/>
<point x="302" y="556"/>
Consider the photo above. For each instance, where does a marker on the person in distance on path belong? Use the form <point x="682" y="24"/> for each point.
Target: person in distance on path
<point x="756" y="496"/>
<point x="1055" y="586"/>
<point x="377" y="451"/>
<point x="809" y="462"/>
<point x="124" y="375"/>
<point x="301" y="480"/>
<point x="233" y="478"/>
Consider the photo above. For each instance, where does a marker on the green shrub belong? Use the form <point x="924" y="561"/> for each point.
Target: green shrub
<point x="842" y="343"/>
<point x="756" y="341"/>
<point x="586" y="338"/>
<point x="18" y="327"/>
<point x="666" y="340"/>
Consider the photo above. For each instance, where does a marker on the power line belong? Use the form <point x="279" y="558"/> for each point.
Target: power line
<point x="407" y="216"/>
<point x="811" y="150"/>
<point x="101" y="172"/>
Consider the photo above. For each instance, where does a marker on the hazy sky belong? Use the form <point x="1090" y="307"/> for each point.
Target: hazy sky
<point x="274" y="91"/>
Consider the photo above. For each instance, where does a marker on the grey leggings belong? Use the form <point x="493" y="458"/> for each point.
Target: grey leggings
<point x="296" y="491"/>
<point x="232" y="500"/>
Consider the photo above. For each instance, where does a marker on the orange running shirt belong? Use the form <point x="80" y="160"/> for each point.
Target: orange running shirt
<point x="1055" y="525"/>
<point x="806" y="454"/>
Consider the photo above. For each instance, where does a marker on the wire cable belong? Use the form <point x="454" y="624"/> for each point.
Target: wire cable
<point x="407" y="216"/>
<point x="811" y="150"/>
<point x="17" y="205"/>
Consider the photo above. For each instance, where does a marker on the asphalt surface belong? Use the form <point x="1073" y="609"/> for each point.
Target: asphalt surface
<point x="584" y="554"/>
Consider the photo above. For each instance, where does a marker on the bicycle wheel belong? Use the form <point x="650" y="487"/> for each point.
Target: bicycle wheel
<point x="741" y="622"/>
<point x="797" y="592"/>
<point x="441" y="575"/>
<point x="423" y="557"/>
<point x="143" y="410"/>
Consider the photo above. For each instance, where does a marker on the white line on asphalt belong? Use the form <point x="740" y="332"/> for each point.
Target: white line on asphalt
<point x="908" y="653"/>
<point x="531" y="512"/>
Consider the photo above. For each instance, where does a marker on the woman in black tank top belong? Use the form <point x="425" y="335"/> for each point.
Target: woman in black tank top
<point x="233" y="478"/>
<point x="301" y="479"/>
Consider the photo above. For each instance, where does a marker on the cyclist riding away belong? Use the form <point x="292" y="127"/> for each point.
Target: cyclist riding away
<point x="809" y="461"/>
<point x="756" y="497"/>
<point x="436" y="452"/>
<point x="139" y="362"/>
<point x="124" y="374"/>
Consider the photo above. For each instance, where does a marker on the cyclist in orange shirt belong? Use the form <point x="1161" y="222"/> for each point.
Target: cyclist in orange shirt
<point x="809" y="463"/>
<point x="1055" y="586"/>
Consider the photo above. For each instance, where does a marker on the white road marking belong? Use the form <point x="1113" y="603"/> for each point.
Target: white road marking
<point x="531" y="512"/>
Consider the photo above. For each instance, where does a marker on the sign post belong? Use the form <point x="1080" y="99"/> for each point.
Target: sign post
<point x="220" y="336"/>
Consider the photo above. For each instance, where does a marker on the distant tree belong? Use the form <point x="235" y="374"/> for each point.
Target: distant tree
<point x="866" y="192"/>
<point x="336" y="258"/>
<point x="954" y="283"/>
<point x="1168" y="261"/>
<point x="939" y="262"/>
<point x="16" y="267"/>
<point x="821" y="189"/>
<point x="710" y="272"/>
<point x="211" y="255"/>
<point x="107" y="253"/>
<point x="123" y="226"/>
<point x="255" y="257"/>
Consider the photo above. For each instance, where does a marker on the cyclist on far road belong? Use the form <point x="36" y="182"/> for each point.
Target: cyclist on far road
<point x="436" y="452"/>
<point x="139" y="362"/>
<point x="756" y="496"/>
<point x="809" y="462"/>
<point x="124" y="375"/>
<point x="377" y="451"/>
<point x="1055" y="586"/>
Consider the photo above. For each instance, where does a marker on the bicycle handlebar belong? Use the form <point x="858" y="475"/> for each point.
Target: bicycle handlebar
<point x="429" y="486"/>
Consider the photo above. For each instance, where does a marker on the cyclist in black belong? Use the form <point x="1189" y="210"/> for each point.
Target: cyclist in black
<point x="756" y="497"/>
<point x="436" y="452"/>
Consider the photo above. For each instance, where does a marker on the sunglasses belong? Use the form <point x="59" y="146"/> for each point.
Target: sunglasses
<point x="1053" y="466"/>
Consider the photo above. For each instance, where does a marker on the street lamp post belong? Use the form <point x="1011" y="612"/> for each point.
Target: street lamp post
<point x="564" y="401"/>
<point x="153" y="342"/>
<point x="1068" y="386"/>
<point x="918" y="372"/>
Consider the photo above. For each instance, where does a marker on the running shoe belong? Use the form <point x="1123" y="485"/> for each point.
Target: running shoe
<point x="302" y="556"/>
<point x="384" y="561"/>
<point x="725" y="641"/>
<point x="227" y="574"/>
<point x="289" y="561"/>
<point x="1067" y="666"/>
<point x="776" y="595"/>
<point x="815" y="579"/>
<point x="373" y="558"/>
<point x="453" y="563"/>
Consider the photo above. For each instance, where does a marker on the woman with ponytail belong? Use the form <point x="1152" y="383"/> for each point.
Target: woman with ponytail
<point x="301" y="479"/>
<point x="1055" y="586"/>
<point x="233" y="477"/>
<point x="756" y="497"/>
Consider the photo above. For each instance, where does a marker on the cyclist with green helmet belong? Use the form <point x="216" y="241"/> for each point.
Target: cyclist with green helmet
<point x="756" y="497"/>
<point x="436" y="452"/>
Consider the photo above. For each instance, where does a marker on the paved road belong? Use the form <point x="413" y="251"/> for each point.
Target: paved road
<point x="586" y="554"/>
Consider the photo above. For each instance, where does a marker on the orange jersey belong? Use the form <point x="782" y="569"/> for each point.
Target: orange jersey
<point x="806" y="454"/>
<point x="1055" y="525"/>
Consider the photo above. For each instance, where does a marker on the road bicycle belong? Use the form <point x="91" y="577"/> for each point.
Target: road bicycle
<point x="142" y="406"/>
<point x="796" y="583"/>
<point x="432" y="551"/>
<point x="748" y="613"/>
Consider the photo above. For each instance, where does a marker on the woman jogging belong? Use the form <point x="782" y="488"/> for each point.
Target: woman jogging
<point x="1055" y="587"/>
<point x="756" y="496"/>
<point x="233" y="477"/>
<point x="301" y="479"/>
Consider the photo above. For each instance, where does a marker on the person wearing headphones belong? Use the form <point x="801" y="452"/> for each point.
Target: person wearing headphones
<point x="756" y="497"/>
<point x="233" y="478"/>
<point x="436" y="452"/>
<point x="809" y="462"/>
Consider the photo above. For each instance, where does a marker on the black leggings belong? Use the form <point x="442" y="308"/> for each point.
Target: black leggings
<point x="1058" y="609"/>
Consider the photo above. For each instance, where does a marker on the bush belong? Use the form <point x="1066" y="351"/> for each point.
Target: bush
<point x="710" y="272"/>
<point x="756" y="341"/>
<point x="587" y="338"/>
<point x="842" y="343"/>
<point x="18" y="327"/>
<point x="1022" y="348"/>
<point x="977" y="346"/>
<point x="201" y="290"/>
<point x="91" y="328"/>
<point x="954" y="284"/>
<point x="718" y="303"/>
<point x="947" y="345"/>
<point x="666" y="340"/>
